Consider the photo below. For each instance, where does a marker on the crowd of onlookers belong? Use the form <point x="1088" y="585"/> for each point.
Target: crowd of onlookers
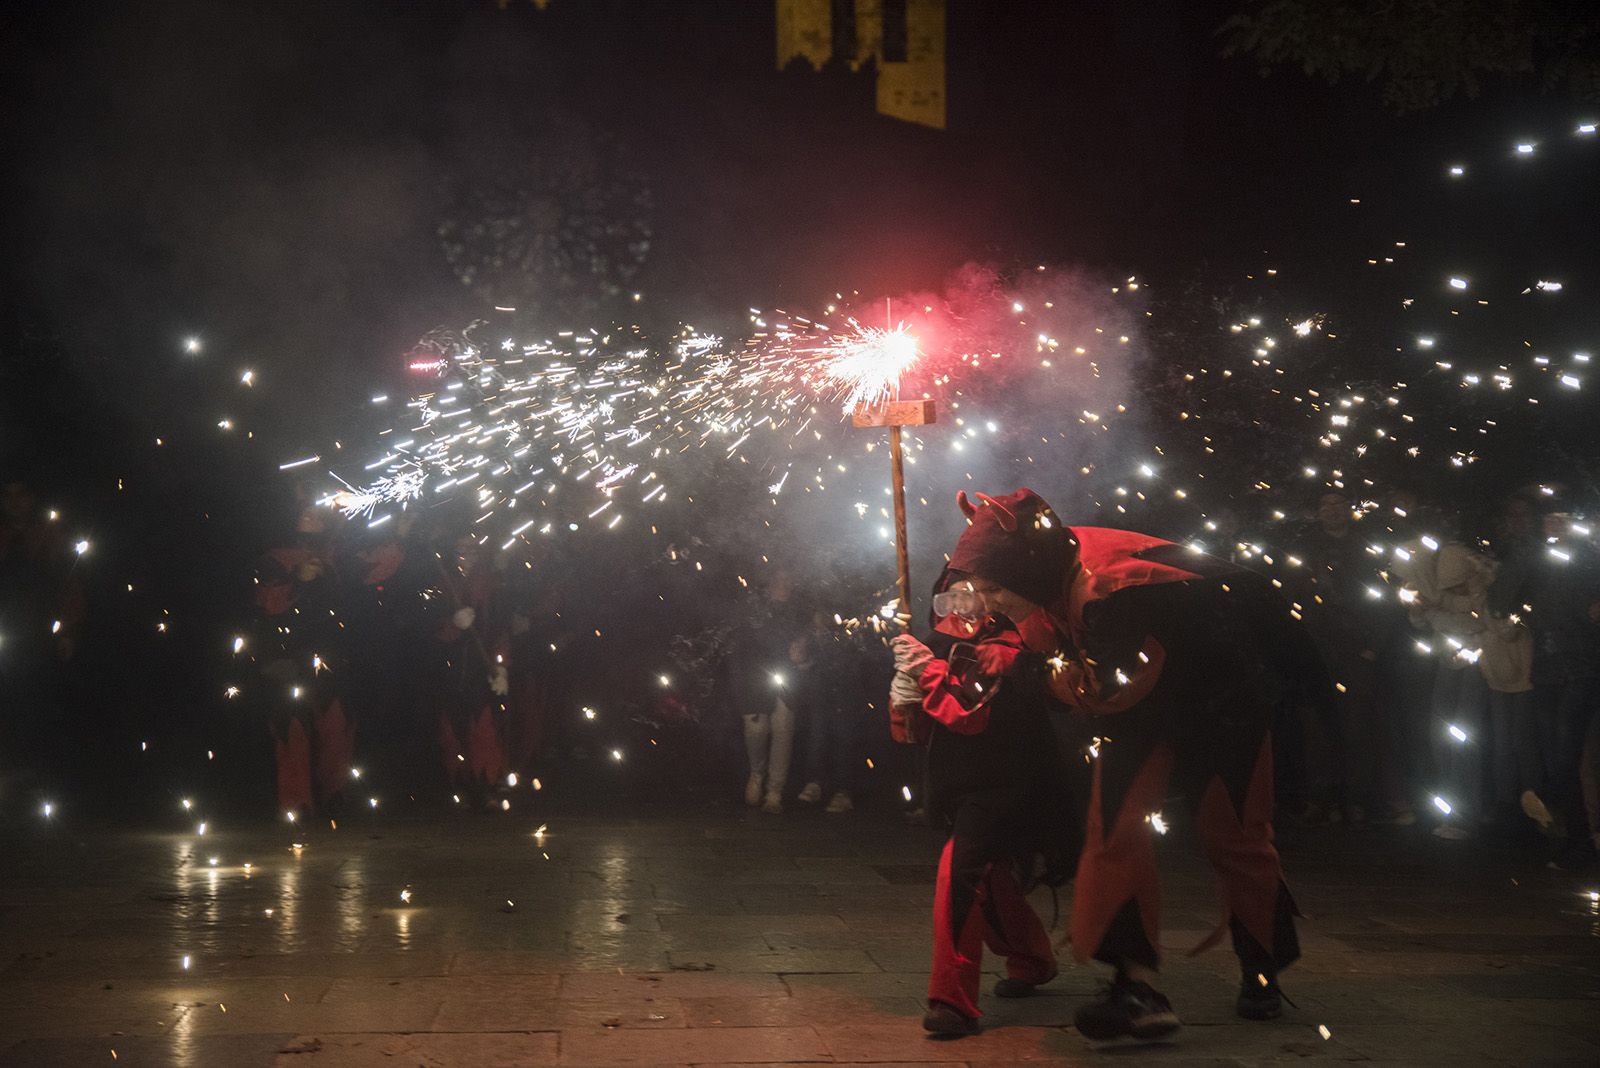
<point x="800" y="681"/>
<point x="1465" y="664"/>
<point x="348" y="664"/>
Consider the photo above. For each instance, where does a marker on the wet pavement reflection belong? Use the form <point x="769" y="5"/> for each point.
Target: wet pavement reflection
<point x="718" y="937"/>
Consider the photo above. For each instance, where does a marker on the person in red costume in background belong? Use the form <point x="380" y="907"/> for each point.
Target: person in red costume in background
<point x="472" y="680"/>
<point x="1181" y="658"/>
<point x="997" y="781"/>
<point x="298" y="647"/>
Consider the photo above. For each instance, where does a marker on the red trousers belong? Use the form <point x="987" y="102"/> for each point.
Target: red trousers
<point x="1222" y="766"/>
<point x="998" y="915"/>
<point x="313" y="757"/>
<point x="478" y="758"/>
<point x="526" y="708"/>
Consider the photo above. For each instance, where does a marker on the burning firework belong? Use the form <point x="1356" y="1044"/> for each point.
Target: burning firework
<point x="867" y="364"/>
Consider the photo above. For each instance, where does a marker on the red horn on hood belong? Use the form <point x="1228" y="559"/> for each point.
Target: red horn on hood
<point x="968" y="509"/>
<point x="1008" y="521"/>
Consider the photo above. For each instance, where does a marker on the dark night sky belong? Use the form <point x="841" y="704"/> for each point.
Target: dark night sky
<point x="269" y="175"/>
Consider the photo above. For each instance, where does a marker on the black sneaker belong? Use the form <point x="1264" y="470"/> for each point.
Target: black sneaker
<point x="1259" y="998"/>
<point x="942" y="1019"/>
<point x="1128" y="1008"/>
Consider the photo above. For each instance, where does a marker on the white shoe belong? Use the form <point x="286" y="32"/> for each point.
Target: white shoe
<point x="1534" y="808"/>
<point x="839" y="802"/>
<point x="752" y="790"/>
<point x="811" y="794"/>
<point x="774" y="805"/>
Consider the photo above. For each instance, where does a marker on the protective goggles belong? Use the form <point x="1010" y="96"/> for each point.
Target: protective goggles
<point x="963" y="601"/>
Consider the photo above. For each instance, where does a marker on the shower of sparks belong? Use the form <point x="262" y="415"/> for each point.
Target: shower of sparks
<point x="575" y="430"/>
<point x="506" y="426"/>
<point x="866" y="365"/>
<point x="583" y="428"/>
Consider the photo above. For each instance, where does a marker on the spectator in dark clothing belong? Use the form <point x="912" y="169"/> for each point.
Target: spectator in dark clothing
<point x="831" y="714"/>
<point x="1342" y="600"/>
<point x="1554" y="585"/>
<point x="1405" y="672"/>
<point x="1515" y="765"/>
<point x="1444" y="583"/>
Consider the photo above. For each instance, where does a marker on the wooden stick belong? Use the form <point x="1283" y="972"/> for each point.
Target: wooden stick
<point x="901" y="553"/>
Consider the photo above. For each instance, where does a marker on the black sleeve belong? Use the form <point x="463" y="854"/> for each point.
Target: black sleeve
<point x="1114" y="632"/>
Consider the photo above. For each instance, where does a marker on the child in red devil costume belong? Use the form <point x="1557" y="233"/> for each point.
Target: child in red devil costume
<point x="997" y="781"/>
<point x="1182" y="658"/>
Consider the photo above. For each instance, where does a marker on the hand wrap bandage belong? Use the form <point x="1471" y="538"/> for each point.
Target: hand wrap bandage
<point x="911" y="659"/>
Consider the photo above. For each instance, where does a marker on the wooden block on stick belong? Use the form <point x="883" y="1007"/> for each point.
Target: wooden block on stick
<point x="896" y="413"/>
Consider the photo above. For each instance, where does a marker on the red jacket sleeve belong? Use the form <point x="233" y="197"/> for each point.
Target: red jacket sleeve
<point x="942" y="700"/>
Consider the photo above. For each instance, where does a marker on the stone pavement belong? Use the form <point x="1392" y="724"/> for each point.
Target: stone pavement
<point x="716" y="937"/>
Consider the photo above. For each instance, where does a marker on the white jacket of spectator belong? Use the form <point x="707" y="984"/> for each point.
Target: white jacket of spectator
<point x="1507" y="661"/>
<point x="1447" y="591"/>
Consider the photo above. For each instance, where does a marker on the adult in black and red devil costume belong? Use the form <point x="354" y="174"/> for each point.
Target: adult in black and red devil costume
<point x="299" y="649"/>
<point x="1180" y="658"/>
<point x="997" y="781"/>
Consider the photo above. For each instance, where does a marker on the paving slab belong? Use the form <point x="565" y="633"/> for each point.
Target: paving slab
<point x="755" y="1045"/>
<point x="421" y="1050"/>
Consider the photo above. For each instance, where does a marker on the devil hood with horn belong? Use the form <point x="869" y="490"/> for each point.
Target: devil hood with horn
<point x="1122" y="605"/>
<point x="1017" y="542"/>
<point x="1081" y="579"/>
